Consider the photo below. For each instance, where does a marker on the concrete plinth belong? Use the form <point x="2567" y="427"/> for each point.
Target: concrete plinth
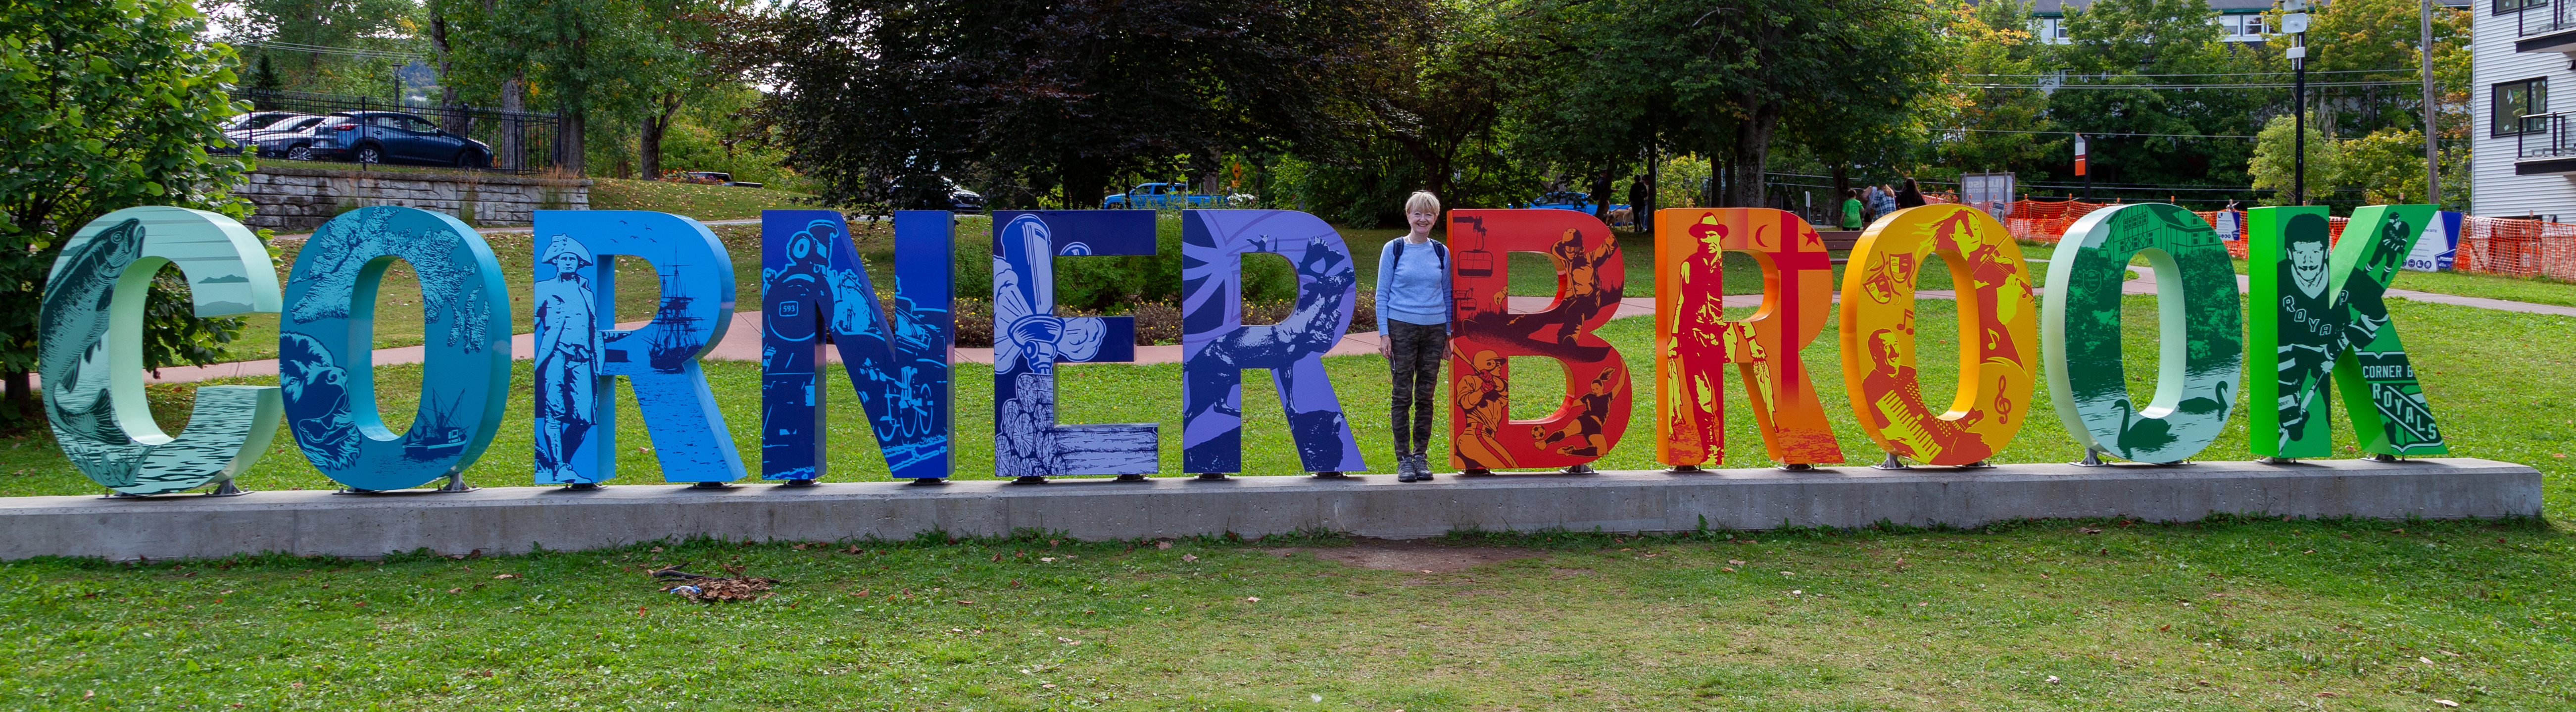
<point x="514" y="519"/>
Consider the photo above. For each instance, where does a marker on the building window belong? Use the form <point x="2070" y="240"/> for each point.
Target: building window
<point x="2512" y="6"/>
<point x="2516" y="100"/>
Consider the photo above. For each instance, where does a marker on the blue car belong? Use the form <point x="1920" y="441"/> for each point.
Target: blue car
<point x="1565" y="200"/>
<point x="381" y="137"/>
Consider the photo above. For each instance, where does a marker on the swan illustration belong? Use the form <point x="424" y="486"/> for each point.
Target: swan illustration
<point x="2139" y="435"/>
<point x="2205" y="406"/>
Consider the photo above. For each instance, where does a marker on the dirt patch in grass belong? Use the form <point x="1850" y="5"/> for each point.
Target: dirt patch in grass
<point x="1427" y="557"/>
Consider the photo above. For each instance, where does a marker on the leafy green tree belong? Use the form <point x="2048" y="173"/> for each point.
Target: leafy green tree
<point x="2130" y="42"/>
<point x="1728" y="77"/>
<point x="2381" y="41"/>
<point x="105" y="105"/>
<point x="1996" y="50"/>
<point x="356" y="24"/>
<point x="2274" y="164"/>
<point x="882" y="98"/>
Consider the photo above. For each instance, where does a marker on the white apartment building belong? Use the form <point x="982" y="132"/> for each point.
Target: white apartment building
<point x="2238" y="20"/>
<point x="2523" y="159"/>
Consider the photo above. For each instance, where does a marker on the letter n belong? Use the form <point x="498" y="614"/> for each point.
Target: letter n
<point x="2319" y="310"/>
<point x="1695" y="340"/>
<point x="815" y="287"/>
<point x="1590" y="279"/>
<point x="1217" y="346"/>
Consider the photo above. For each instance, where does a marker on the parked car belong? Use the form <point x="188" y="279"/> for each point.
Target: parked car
<point x="1162" y="196"/>
<point x="239" y="126"/>
<point x="962" y="200"/>
<point x="383" y="137"/>
<point x="1565" y="200"/>
<point x="254" y="139"/>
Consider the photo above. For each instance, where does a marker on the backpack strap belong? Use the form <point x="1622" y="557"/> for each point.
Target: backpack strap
<point x="1436" y="248"/>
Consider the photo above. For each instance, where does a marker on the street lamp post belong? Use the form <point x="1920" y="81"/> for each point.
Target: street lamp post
<point x="2296" y="25"/>
<point x="2432" y="150"/>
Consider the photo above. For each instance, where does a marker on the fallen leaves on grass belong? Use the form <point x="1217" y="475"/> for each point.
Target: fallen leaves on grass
<point x="2446" y="703"/>
<point x="505" y="576"/>
<point x="1257" y="599"/>
<point x="1185" y="558"/>
<point x="709" y="589"/>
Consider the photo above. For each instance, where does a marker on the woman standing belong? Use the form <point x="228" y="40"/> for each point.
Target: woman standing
<point x="1910" y="196"/>
<point x="1413" y="309"/>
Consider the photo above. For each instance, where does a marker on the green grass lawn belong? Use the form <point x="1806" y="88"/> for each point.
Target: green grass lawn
<point x="2234" y="613"/>
<point x="704" y="202"/>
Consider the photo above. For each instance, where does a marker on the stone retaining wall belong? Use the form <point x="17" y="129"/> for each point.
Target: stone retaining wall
<point x="300" y="199"/>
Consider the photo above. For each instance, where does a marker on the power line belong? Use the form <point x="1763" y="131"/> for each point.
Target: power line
<point x="2106" y="135"/>
<point x="2244" y="85"/>
<point x="2408" y="70"/>
<point x="339" y="51"/>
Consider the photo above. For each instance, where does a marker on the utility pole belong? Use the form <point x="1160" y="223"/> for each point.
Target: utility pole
<point x="2296" y="24"/>
<point x="2432" y="148"/>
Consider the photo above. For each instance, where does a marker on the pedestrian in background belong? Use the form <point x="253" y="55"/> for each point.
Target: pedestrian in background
<point x="1911" y="196"/>
<point x="1413" y="306"/>
<point x="1882" y="200"/>
<point x="1851" y="209"/>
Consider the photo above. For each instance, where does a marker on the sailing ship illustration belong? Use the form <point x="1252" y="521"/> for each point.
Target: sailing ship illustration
<point x="675" y="337"/>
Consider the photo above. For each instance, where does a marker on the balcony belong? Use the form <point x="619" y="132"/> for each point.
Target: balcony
<point x="2546" y="26"/>
<point x="2547" y="146"/>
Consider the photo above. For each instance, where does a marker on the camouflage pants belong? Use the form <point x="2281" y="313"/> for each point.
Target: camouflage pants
<point x="1414" y="354"/>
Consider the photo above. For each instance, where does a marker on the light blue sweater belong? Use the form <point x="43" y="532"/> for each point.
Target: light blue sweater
<point x="1418" y="295"/>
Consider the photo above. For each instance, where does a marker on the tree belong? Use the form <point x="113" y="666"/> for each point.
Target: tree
<point x="2274" y="163"/>
<point x="2142" y="133"/>
<point x="2004" y="125"/>
<point x="358" y="24"/>
<point x="2381" y="41"/>
<point x="581" y="57"/>
<point x="105" y="106"/>
<point x="880" y="99"/>
<point x="1727" y="77"/>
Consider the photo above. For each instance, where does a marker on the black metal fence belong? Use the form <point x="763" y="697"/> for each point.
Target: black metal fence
<point x="513" y="142"/>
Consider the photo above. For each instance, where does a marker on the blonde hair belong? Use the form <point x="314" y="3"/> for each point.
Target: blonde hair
<point x="1422" y="201"/>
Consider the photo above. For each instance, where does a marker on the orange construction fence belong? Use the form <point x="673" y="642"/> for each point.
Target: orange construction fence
<point x="2505" y="246"/>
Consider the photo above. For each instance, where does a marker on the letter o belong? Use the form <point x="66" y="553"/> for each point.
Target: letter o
<point x="2202" y="336"/>
<point x="1997" y="325"/>
<point x="326" y="342"/>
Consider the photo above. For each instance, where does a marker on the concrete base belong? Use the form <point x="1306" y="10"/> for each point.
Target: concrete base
<point x="503" y="520"/>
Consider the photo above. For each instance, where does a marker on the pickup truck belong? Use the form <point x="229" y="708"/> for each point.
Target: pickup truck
<point x="1164" y="196"/>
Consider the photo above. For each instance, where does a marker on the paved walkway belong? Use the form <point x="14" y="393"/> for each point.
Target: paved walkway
<point x="742" y="339"/>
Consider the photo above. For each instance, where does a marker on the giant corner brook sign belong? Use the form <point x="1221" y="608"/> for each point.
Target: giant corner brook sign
<point x="2316" y="317"/>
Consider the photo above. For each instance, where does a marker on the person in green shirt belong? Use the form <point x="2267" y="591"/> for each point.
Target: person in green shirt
<point x="1851" y="209"/>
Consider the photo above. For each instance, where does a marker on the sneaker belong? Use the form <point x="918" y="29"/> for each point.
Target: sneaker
<point x="1422" y="467"/>
<point x="1404" y="468"/>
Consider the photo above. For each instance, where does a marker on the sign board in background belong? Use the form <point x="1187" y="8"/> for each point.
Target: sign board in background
<point x="2441" y="242"/>
<point x="1990" y="192"/>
